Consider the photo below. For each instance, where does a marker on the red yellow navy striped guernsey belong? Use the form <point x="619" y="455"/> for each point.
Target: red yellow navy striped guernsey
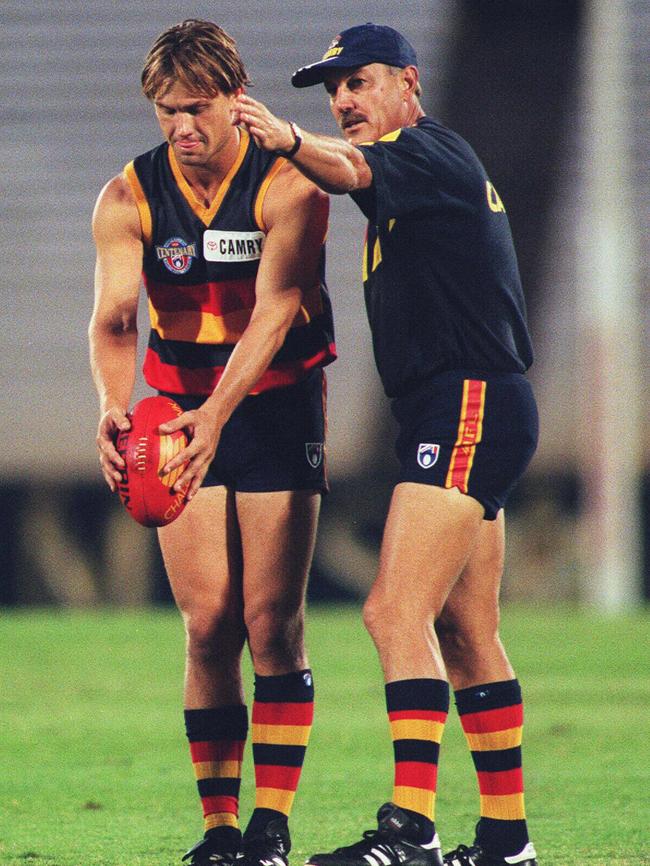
<point x="199" y="270"/>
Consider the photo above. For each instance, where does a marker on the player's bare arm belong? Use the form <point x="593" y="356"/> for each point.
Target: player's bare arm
<point x="113" y="326"/>
<point x="295" y="215"/>
<point x="334" y="165"/>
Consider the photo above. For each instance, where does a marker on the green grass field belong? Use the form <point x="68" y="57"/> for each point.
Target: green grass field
<point x="94" y="769"/>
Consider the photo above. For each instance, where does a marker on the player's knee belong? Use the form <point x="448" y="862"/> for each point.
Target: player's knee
<point x="211" y="634"/>
<point x="275" y="633"/>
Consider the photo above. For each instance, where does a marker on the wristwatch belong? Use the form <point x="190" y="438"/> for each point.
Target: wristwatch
<point x="297" y="141"/>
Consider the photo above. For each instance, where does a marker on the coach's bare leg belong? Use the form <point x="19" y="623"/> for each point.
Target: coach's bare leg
<point x="429" y="535"/>
<point x="278" y="532"/>
<point x="468" y="628"/>
<point x="202" y="554"/>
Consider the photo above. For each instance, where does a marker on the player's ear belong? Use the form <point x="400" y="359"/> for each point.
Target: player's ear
<point x="238" y="91"/>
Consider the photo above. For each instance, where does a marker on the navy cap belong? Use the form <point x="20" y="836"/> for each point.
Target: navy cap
<point x="358" y="46"/>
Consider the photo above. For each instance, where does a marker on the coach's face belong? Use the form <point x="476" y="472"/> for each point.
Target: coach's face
<point x="370" y="101"/>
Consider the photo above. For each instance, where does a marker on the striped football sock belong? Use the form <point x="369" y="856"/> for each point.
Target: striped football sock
<point x="283" y="712"/>
<point x="417" y="712"/>
<point x="492" y="718"/>
<point x="217" y="737"/>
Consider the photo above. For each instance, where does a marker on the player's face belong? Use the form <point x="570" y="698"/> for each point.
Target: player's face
<point x="367" y="102"/>
<point x="197" y="127"/>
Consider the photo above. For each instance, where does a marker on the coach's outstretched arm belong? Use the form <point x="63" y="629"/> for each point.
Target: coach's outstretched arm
<point x="334" y="165"/>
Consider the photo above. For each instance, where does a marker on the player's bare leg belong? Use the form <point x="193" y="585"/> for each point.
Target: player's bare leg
<point x="278" y="533"/>
<point x="202" y="553"/>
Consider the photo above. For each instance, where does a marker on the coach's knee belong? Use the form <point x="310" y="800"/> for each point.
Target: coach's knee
<point x="461" y="639"/>
<point x="387" y="620"/>
<point x="373" y="618"/>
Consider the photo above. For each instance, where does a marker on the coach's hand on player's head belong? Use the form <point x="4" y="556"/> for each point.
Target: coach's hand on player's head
<point x="112" y="422"/>
<point x="268" y="131"/>
<point x="203" y="432"/>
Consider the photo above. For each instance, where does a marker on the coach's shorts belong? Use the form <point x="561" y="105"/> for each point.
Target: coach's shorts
<point x="473" y="431"/>
<point x="273" y="441"/>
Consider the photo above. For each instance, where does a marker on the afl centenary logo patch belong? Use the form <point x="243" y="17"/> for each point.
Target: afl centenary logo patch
<point x="427" y="454"/>
<point x="176" y="255"/>
<point x="222" y="246"/>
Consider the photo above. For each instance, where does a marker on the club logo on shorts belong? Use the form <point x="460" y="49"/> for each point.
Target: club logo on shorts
<point x="314" y="452"/>
<point x="176" y="255"/>
<point x="427" y="454"/>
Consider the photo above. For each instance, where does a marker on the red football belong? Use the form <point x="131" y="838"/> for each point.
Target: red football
<point x="147" y="496"/>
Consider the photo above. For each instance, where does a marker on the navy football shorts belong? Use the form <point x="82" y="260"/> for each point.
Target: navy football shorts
<point x="272" y="441"/>
<point x="473" y="431"/>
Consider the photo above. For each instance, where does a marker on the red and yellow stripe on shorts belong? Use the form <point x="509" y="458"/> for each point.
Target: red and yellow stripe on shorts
<point x="470" y="432"/>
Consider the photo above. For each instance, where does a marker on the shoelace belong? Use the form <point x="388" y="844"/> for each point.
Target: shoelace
<point x="461" y="856"/>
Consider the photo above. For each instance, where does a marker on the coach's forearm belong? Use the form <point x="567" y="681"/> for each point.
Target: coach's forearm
<point x="332" y="164"/>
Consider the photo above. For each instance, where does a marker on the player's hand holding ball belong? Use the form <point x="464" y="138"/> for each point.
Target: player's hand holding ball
<point x="192" y="463"/>
<point x="146" y="487"/>
<point x="112" y="422"/>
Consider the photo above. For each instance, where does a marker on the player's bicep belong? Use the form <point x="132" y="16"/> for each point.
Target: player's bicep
<point x="296" y="217"/>
<point x="118" y="242"/>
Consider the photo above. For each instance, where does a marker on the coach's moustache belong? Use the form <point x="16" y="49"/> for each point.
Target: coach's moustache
<point x="348" y="120"/>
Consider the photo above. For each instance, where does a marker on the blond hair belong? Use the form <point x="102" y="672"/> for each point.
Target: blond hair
<point x="197" y="54"/>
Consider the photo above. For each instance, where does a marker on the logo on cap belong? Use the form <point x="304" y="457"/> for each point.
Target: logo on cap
<point x="333" y="49"/>
<point x="359" y="46"/>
